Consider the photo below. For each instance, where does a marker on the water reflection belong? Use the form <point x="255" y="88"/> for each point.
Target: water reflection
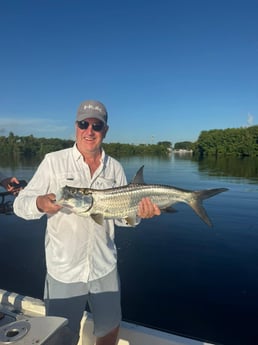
<point x="242" y="168"/>
<point x="230" y="166"/>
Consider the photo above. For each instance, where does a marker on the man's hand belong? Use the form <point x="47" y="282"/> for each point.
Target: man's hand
<point x="9" y="182"/>
<point x="46" y="203"/>
<point x="146" y="209"/>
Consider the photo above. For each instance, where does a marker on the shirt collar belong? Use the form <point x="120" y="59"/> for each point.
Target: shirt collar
<point x="77" y="154"/>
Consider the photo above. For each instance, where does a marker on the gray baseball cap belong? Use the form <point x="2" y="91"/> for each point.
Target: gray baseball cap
<point x="94" y="109"/>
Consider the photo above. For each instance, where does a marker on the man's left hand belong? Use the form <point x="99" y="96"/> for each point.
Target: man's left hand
<point x="146" y="209"/>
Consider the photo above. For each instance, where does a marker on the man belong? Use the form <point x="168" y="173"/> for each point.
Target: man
<point x="80" y="254"/>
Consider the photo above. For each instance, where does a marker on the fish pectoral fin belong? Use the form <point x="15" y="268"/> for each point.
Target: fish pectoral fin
<point x="98" y="218"/>
<point x="168" y="210"/>
<point x="131" y="220"/>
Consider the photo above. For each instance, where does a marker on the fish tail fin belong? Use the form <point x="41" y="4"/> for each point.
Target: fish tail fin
<point x="197" y="206"/>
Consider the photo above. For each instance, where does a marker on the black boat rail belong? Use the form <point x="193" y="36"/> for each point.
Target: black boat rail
<point x="6" y="206"/>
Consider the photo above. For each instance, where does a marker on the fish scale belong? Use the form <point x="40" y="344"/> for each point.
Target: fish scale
<point x="117" y="204"/>
<point x="134" y="193"/>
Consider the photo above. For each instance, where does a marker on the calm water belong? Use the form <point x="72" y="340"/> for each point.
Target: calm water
<point x="177" y="274"/>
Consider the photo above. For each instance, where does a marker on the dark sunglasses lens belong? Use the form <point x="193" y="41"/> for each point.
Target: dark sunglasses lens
<point x="83" y="124"/>
<point x="97" y="127"/>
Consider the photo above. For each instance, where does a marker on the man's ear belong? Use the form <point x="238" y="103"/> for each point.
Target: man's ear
<point x="105" y="131"/>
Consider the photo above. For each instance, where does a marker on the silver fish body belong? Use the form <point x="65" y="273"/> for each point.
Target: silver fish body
<point x="122" y="202"/>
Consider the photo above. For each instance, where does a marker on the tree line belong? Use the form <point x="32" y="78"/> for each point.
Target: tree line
<point x="216" y="142"/>
<point x="15" y="147"/>
<point x="238" y="142"/>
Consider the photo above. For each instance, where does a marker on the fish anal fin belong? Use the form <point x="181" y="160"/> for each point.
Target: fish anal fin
<point x="131" y="220"/>
<point x="168" y="210"/>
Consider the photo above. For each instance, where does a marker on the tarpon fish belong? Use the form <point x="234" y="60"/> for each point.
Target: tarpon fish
<point x="122" y="202"/>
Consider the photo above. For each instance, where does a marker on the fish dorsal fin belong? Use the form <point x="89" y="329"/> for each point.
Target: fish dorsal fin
<point x="138" y="178"/>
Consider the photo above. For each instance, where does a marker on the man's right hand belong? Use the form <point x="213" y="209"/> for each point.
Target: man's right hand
<point x="46" y="203"/>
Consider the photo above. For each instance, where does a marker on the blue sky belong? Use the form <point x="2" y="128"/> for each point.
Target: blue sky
<point x="166" y="70"/>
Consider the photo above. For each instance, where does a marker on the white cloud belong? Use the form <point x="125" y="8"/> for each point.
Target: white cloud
<point x="250" y="119"/>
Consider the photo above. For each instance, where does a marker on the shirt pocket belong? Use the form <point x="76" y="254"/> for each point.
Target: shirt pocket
<point x="73" y="179"/>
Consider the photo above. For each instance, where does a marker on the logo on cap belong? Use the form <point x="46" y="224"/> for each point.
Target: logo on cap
<point x="90" y="106"/>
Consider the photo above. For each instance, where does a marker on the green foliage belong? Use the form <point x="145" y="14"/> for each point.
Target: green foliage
<point x="118" y="149"/>
<point x="165" y="144"/>
<point x="184" y="145"/>
<point x="232" y="141"/>
<point x="30" y="147"/>
<point x="15" y="147"/>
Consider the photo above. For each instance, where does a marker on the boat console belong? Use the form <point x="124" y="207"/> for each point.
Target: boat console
<point x="17" y="329"/>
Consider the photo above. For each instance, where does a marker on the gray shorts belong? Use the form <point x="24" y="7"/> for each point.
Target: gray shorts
<point x="69" y="300"/>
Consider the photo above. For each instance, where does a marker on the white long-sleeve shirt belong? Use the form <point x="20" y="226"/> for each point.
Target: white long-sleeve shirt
<point x="77" y="248"/>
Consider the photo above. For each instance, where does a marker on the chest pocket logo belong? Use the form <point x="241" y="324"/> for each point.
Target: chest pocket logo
<point x="72" y="180"/>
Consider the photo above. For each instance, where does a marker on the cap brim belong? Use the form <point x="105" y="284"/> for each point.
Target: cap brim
<point x="82" y="117"/>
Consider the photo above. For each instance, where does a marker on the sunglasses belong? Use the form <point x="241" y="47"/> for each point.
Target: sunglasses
<point x="97" y="127"/>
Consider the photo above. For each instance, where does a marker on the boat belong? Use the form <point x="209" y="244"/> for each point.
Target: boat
<point x="23" y="322"/>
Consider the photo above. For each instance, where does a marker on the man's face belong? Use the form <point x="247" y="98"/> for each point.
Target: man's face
<point x="90" y="134"/>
